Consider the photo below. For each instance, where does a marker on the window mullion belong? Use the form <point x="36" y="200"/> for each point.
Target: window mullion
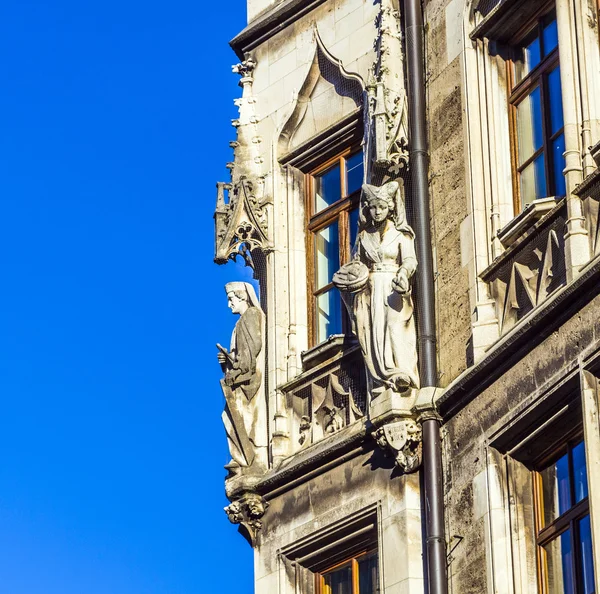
<point x="355" y="584"/>
<point x="545" y="102"/>
<point x="343" y="178"/>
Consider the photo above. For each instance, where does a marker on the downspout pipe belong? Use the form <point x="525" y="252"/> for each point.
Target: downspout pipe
<point x="432" y="452"/>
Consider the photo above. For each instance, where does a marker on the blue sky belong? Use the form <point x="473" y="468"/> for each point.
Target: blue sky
<point x="115" y="128"/>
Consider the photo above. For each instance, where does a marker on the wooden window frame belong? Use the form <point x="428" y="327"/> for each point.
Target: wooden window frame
<point x="537" y="77"/>
<point x="566" y="521"/>
<point x="354" y="560"/>
<point x="338" y="211"/>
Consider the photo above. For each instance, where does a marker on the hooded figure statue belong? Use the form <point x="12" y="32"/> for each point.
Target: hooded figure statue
<point x="245" y="416"/>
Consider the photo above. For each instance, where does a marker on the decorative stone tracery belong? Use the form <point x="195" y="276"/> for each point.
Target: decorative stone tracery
<point x="242" y="209"/>
<point x="388" y="108"/>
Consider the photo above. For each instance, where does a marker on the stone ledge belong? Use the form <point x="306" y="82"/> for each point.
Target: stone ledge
<point x="521" y="339"/>
<point x="515" y="229"/>
<point x="271" y="22"/>
<point x="526" y="234"/>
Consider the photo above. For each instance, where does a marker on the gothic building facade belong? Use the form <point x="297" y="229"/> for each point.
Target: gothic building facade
<point x="412" y="387"/>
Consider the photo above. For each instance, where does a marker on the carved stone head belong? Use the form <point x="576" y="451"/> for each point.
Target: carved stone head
<point x="241" y="296"/>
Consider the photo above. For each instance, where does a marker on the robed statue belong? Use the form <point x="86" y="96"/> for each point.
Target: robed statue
<point x="376" y="289"/>
<point x="245" y="416"/>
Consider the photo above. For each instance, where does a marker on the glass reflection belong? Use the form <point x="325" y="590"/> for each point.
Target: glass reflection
<point x="550" y="37"/>
<point x="353" y="222"/>
<point x="559" y="565"/>
<point x="533" y="181"/>
<point x="579" y="473"/>
<point x="368" y="575"/>
<point x="329" y="314"/>
<point x="555" y="98"/>
<point x="354" y="173"/>
<point x="327" y="188"/>
<point x="587" y="561"/>
<point x="327" y="253"/>
<point x="558" y="163"/>
<point x="338" y="581"/>
<point x="529" y="125"/>
<point x="556" y="489"/>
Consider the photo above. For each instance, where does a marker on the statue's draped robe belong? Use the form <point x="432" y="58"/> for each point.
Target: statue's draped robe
<point x="246" y="392"/>
<point x="383" y="318"/>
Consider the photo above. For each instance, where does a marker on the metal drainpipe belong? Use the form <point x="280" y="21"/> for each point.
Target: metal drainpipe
<point x="432" y="453"/>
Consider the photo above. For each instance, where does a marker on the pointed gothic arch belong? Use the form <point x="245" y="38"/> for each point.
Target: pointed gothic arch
<point x="328" y="94"/>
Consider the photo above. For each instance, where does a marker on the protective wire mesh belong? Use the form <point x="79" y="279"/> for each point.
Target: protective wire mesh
<point x="484" y="7"/>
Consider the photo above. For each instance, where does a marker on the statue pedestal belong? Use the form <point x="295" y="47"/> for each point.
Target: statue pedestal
<point x="391" y="404"/>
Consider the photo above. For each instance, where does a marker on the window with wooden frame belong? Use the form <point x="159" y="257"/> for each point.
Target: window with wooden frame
<point x="564" y="537"/>
<point x="536" y="113"/>
<point x="358" y="575"/>
<point x="333" y="193"/>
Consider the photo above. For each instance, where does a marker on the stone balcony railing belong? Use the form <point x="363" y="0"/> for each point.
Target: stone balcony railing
<point x="328" y="395"/>
<point x="533" y="265"/>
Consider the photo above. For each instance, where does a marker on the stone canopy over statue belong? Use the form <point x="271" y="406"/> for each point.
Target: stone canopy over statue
<point x="245" y="415"/>
<point x="376" y="288"/>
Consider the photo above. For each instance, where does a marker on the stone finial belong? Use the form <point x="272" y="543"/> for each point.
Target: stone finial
<point x="387" y="94"/>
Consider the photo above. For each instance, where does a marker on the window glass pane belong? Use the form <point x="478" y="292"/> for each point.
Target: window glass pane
<point x="579" y="473"/>
<point x="354" y="171"/>
<point x="555" y="101"/>
<point x="327" y="188"/>
<point x="533" y="181"/>
<point x="532" y="54"/>
<point x="329" y="314"/>
<point x="556" y="489"/>
<point x="559" y="564"/>
<point x="529" y="125"/>
<point x="353" y="222"/>
<point x="338" y="581"/>
<point x="558" y="164"/>
<point x="550" y="37"/>
<point x="586" y="561"/>
<point x="368" y="575"/>
<point x="327" y="254"/>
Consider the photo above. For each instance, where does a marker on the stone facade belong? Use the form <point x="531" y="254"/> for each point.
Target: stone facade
<point x="516" y="293"/>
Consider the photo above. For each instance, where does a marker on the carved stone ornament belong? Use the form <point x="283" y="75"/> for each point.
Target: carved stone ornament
<point x="327" y="418"/>
<point x="248" y="512"/>
<point x="245" y="414"/>
<point x="240" y="224"/>
<point x="326" y="77"/>
<point x="402" y="440"/>
<point x="388" y="108"/>
<point x="241" y="214"/>
<point x="376" y="289"/>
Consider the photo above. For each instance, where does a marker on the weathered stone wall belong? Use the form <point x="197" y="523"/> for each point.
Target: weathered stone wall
<point x="369" y="479"/>
<point x="467" y="489"/>
<point x="448" y="196"/>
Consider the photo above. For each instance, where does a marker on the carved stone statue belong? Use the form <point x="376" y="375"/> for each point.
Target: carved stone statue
<point x="245" y="416"/>
<point x="376" y="286"/>
<point x="248" y="512"/>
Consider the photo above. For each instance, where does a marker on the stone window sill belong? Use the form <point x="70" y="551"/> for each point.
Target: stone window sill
<point x="521" y="231"/>
<point x="334" y="347"/>
<point x="518" y="227"/>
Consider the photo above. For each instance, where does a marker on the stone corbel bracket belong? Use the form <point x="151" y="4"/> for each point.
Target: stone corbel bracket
<point x="248" y="512"/>
<point x="402" y="441"/>
<point x="241" y="224"/>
